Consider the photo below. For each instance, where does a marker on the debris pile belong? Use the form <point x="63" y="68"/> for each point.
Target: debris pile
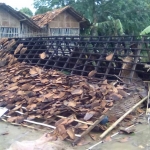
<point x="44" y="94"/>
<point x="47" y="95"/>
<point x="53" y="92"/>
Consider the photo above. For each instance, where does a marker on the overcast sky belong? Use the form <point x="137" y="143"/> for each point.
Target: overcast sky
<point x="19" y="3"/>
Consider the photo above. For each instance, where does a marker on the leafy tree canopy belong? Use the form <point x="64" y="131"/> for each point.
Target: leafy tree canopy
<point x="42" y="10"/>
<point x="26" y="11"/>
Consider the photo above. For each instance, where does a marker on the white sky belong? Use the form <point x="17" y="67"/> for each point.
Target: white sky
<point x="19" y="4"/>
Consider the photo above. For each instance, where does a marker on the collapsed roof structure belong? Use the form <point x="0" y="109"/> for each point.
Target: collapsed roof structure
<point x="75" y="100"/>
<point x="69" y="83"/>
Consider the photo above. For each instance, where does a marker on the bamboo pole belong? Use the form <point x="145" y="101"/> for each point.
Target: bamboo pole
<point x="121" y="118"/>
<point x="147" y="109"/>
<point x="110" y="136"/>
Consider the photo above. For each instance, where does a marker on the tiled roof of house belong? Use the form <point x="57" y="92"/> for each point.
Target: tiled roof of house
<point x="42" y="19"/>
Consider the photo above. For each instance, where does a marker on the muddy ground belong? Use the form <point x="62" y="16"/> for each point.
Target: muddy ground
<point x="140" y="139"/>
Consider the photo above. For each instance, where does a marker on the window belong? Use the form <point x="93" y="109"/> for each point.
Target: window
<point x="64" y="31"/>
<point x="9" y="32"/>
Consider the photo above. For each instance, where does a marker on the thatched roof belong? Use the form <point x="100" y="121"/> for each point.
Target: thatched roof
<point x="43" y="19"/>
<point x="19" y="15"/>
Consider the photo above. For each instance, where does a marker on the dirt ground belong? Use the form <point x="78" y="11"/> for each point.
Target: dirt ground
<point x="140" y="139"/>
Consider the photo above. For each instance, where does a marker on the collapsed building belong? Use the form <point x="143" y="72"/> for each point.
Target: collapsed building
<point x="70" y="83"/>
<point x="72" y="88"/>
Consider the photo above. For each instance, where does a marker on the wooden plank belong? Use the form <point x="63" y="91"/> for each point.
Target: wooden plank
<point x="136" y="59"/>
<point x="88" y="130"/>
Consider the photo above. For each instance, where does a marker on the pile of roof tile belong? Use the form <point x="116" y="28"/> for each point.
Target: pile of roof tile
<point x="45" y="94"/>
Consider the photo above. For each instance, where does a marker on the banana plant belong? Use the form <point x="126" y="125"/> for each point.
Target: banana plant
<point x="110" y="28"/>
<point x="146" y="31"/>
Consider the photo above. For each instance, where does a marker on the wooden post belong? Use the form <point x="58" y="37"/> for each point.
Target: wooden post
<point x="136" y="60"/>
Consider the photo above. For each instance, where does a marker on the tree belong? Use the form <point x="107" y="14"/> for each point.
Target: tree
<point x="43" y="6"/>
<point x="133" y="14"/>
<point x="110" y="28"/>
<point x="42" y="10"/>
<point x="26" y="11"/>
<point x="52" y="4"/>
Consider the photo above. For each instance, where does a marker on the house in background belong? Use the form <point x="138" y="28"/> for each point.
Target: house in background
<point x="59" y="22"/>
<point x="15" y="24"/>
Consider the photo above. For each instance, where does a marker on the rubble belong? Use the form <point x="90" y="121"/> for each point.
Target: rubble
<point x="48" y="95"/>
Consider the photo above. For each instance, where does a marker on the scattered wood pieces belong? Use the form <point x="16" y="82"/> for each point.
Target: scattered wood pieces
<point x="128" y="131"/>
<point x="93" y="136"/>
<point x="71" y="133"/>
<point x="18" y="48"/>
<point x="42" y="55"/>
<point x="23" y="50"/>
<point x="109" y="57"/>
<point x="92" y="73"/>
